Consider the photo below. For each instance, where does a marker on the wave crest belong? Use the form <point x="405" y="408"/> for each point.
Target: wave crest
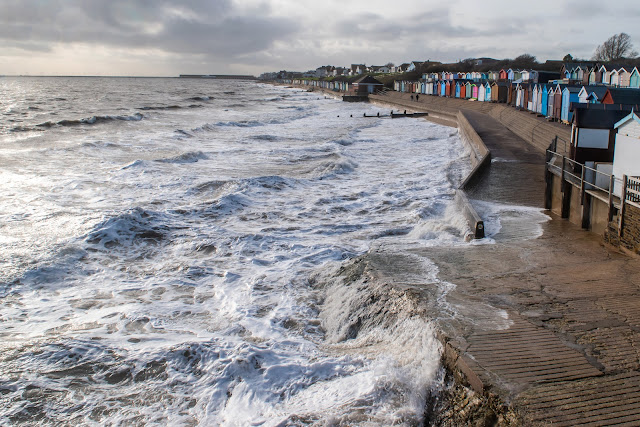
<point x="188" y="157"/>
<point x="92" y="120"/>
<point x="137" y="226"/>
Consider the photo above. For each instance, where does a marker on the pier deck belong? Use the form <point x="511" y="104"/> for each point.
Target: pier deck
<point x="551" y="324"/>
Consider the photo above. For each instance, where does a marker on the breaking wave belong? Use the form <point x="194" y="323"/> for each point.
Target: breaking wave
<point x="183" y="133"/>
<point x="265" y="137"/>
<point x="25" y="129"/>
<point x="92" y="120"/>
<point x="129" y="229"/>
<point x="391" y="325"/>
<point x="335" y="165"/>
<point x="189" y="157"/>
<point x="202" y="98"/>
<point x="161" y="107"/>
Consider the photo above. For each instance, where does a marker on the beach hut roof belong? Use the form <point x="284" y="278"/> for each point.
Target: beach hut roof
<point x="599" y="91"/>
<point x="574" y="65"/>
<point x="626" y="96"/>
<point x="592" y="118"/>
<point x="367" y="80"/>
<point x="571" y="89"/>
<point x="611" y="67"/>
<point x="626" y="119"/>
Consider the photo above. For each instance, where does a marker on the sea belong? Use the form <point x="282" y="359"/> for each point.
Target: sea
<point x="187" y="252"/>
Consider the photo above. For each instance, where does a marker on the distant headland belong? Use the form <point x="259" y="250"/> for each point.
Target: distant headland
<point x="217" y="76"/>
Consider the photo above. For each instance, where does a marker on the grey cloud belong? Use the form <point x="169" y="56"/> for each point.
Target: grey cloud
<point x="195" y="27"/>
<point x="436" y="22"/>
<point x="585" y="9"/>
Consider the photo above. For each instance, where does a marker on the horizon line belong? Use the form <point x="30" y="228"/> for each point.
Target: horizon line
<point x="114" y="76"/>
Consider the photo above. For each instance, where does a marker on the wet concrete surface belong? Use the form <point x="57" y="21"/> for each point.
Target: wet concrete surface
<point x="554" y="312"/>
<point x="516" y="175"/>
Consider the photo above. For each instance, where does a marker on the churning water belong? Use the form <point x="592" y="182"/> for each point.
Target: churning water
<point x="188" y="252"/>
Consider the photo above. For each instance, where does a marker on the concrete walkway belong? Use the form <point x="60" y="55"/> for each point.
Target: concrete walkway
<point x="512" y="161"/>
<point x="551" y="324"/>
<point x="534" y="129"/>
<point x="570" y="350"/>
<point x="572" y="353"/>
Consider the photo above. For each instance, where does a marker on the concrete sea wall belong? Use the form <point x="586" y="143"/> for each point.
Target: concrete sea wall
<point x="478" y="152"/>
<point x="480" y="158"/>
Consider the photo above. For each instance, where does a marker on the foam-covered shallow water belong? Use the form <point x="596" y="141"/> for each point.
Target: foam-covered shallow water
<point x="187" y="252"/>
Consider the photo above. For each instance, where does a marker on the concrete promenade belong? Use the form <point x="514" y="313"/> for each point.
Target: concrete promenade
<point x="549" y="325"/>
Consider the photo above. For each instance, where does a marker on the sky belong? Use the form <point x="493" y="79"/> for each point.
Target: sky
<point x="167" y="38"/>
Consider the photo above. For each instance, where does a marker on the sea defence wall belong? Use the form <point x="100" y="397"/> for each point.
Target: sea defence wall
<point x="480" y="159"/>
<point x="478" y="152"/>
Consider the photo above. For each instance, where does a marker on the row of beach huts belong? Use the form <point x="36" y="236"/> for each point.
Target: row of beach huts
<point x="548" y="94"/>
<point x="595" y="180"/>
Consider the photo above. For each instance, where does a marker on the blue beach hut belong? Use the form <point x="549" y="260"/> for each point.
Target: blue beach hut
<point x="544" y="104"/>
<point x="487" y="92"/>
<point x="569" y="94"/>
<point x="458" y="89"/>
<point x="634" y="79"/>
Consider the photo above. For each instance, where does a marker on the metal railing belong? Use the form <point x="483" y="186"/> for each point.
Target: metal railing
<point x="555" y="144"/>
<point x="584" y="177"/>
<point x="579" y="174"/>
<point x="592" y="180"/>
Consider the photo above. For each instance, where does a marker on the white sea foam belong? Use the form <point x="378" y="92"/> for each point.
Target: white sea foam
<point x="510" y="222"/>
<point x="187" y="290"/>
